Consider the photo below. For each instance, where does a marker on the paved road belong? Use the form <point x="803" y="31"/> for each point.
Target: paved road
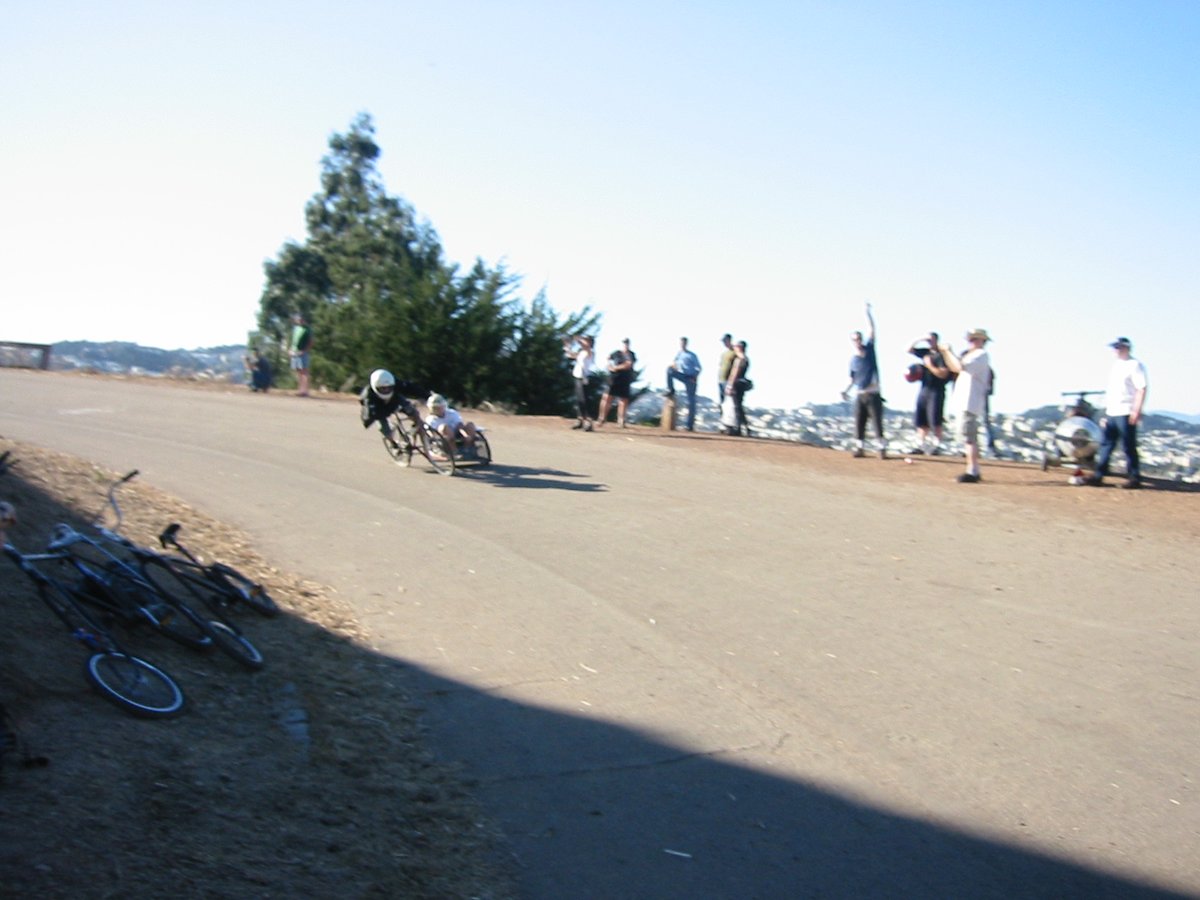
<point x="677" y="672"/>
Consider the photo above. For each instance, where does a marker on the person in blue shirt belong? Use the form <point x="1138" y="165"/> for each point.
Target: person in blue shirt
<point x="685" y="368"/>
<point x="864" y="381"/>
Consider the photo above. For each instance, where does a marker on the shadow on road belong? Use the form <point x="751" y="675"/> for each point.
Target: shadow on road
<point x="503" y="476"/>
<point x="597" y="810"/>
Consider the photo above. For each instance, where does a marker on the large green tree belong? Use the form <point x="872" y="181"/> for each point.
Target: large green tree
<point x="374" y="282"/>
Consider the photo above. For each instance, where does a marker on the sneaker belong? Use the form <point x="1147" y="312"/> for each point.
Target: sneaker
<point x="1131" y="485"/>
<point x="405" y="461"/>
<point x="858" y="453"/>
<point x="587" y="426"/>
<point x="1094" y="480"/>
<point x="670" y="395"/>
<point x="968" y="478"/>
<point x="576" y="426"/>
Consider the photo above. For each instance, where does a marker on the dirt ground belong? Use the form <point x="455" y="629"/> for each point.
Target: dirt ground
<point x="308" y="778"/>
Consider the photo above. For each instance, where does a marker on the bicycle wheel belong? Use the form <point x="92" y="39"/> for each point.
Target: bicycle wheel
<point x="483" y="450"/>
<point x="166" y="610"/>
<point x="246" y="590"/>
<point x="236" y="645"/>
<point x="192" y="583"/>
<point x="134" y="684"/>
<point x="438" y="452"/>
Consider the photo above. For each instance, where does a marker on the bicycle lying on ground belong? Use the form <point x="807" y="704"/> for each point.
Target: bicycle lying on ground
<point x="409" y="438"/>
<point x="186" y="583"/>
<point x="137" y="686"/>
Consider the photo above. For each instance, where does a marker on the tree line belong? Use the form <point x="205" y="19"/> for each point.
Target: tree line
<point x="375" y="285"/>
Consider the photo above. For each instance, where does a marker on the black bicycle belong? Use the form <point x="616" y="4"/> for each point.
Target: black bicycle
<point x="137" y="686"/>
<point x="237" y="589"/>
<point x="185" y="585"/>
<point x="121" y="593"/>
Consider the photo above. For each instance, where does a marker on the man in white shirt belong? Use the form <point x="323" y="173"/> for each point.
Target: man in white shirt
<point x="974" y="371"/>
<point x="1123" y="404"/>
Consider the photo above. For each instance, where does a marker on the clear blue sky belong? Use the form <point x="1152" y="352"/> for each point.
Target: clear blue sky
<point x="763" y="168"/>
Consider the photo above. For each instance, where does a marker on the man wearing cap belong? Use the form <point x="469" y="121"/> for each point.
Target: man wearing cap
<point x="931" y="371"/>
<point x="685" y="368"/>
<point x="1123" y="404"/>
<point x="974" y="371"/>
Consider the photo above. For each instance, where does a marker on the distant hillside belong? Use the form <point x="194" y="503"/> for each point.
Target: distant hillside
<point x="121" y="356"/>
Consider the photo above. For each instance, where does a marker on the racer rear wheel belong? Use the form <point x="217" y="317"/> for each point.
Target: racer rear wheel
<point x="439" y="453"/>
<point x="483" y="450"/>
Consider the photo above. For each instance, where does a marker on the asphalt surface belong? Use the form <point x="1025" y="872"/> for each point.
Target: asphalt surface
<point x="680" y="670"/>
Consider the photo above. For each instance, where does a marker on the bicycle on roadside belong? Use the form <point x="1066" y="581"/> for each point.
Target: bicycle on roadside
<point x="188" y="585"/>
<point x="133" y="683"/>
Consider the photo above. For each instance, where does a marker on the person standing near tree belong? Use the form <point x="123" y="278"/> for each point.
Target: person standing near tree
<point x="974" y="371"/>
<point x="580" y="350"/>
<point x="685" y="368"/>
<point x="300" y="351"/>
<point x="1123" y="403"/>
<point x="620" y="383"/>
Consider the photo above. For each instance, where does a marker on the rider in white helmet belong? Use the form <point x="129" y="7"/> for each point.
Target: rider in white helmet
<point x="383" y="396"/>
<point x="447" y="422"/>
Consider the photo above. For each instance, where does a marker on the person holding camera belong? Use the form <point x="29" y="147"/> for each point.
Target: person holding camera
<point x="933" y="374"/>
<point x="580" y="351"/>
<point x="971" y="387"/>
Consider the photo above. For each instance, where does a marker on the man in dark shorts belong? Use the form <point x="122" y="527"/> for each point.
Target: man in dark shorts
<point x="620" y="383"/>
<point x="931" y="398"/>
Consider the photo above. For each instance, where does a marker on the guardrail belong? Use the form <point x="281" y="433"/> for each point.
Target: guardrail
<point x="19" y="355"/>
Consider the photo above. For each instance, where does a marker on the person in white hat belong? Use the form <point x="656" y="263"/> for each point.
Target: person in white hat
<point x="974" y="371"/>
<point x="1123" y="404"/>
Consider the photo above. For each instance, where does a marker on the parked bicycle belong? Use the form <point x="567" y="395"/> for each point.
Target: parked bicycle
<point x="238" y="589"/>
<point x="185" y="584"/>
<point x="134" y="684"/>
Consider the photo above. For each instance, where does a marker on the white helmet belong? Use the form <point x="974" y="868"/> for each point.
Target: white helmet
<point x="383" y="382"/>
<point x="436" y="401"/>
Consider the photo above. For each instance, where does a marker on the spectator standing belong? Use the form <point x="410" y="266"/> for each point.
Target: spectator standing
<point x="685" y="368"/>
<point x="971" y="388"/>
<point x="931" y="398"/>
<point x="727" y="357"/>
<point x="300" y="352"/>
<point x="620" y="383"/>
<point x="581" y="352"/>
<point x="864" y="381"/>
<point x="736" y="387"/>
<point x="1123" y="404"/>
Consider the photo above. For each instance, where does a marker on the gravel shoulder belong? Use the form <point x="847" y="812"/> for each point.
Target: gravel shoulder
<point x="308" y="778"/>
